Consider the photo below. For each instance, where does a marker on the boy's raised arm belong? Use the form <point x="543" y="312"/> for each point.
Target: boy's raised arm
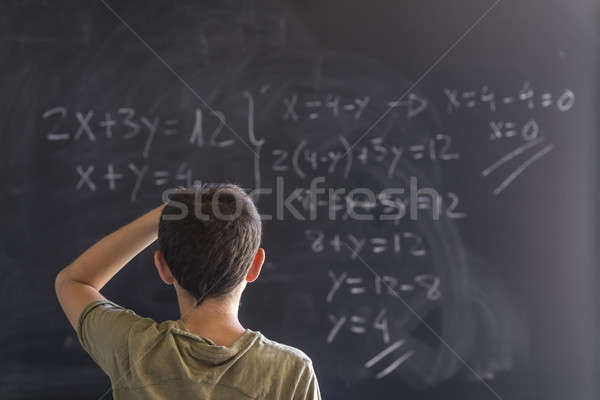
<point x="79" y="284"/>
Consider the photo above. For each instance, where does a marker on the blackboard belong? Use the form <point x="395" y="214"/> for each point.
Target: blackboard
<point x="483" y="111"/>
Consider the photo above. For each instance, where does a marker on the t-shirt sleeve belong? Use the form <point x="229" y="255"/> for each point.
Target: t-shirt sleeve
<point x="308" y="386"/>
<point x="103" y="331"/>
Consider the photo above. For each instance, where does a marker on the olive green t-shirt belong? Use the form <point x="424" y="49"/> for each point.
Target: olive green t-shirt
<point x="149" y="360"/>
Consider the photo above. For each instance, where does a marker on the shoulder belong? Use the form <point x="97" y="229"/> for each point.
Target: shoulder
<point x="290" y="370"/>
<point x="279" y="351"/>
<point x="105" y="319"/>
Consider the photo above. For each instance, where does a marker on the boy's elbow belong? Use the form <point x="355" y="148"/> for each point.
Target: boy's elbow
<point x="59" y="281"/>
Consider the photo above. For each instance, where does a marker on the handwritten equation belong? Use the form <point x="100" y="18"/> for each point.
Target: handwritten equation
<point x="486" y="99"/>
<point x="301" y="159"/>
<point x="89" y="177"/>
<point x="367" y="322"/>
<point x="129" y="125"/>
<point x="396" y="243"/>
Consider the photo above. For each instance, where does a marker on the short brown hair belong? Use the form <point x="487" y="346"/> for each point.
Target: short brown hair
<point x="209" y="236"/>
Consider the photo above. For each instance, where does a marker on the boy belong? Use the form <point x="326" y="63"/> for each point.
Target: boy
<point x="209" y="250"/>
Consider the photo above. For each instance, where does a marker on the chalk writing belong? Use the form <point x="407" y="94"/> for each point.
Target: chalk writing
<point x="407" y="242"/>
<point x="486" y="99"/>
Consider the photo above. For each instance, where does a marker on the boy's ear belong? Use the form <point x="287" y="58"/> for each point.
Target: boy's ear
<point x="256" y="266"/>
<point x="163" y="269"/>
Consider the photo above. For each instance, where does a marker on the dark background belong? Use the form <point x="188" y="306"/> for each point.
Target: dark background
<point x="518" y="273"/>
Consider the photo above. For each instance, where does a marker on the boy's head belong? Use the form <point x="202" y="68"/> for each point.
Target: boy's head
<point x="209" y="240"/>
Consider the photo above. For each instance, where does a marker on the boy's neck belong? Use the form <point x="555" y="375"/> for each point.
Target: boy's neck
<point x="214" y="319"/>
